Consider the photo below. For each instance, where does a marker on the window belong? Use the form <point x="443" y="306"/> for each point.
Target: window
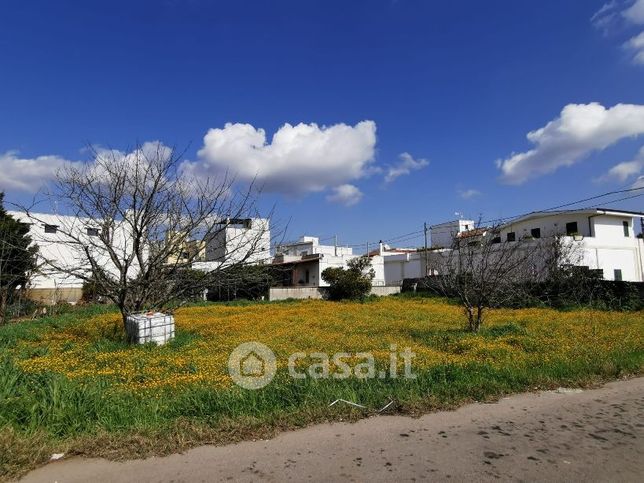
<point x="51" y="228"/>
<point x="511" y="236"/>
<point x="571" y="228"/>
<point x="535" y="232"/>
<point x="625" y="225"/>
<point x="496" y="239"/>
<point x="617" y="275"/>
<point x="92" y="231"/>
<point x="467" y="227"/>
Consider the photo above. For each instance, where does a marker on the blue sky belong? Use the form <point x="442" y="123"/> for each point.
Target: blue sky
<point x="456" y="85"/>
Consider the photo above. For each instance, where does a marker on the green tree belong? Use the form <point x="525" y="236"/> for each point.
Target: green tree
<point x="352" y="283"/>
<point x="17" y="258"/>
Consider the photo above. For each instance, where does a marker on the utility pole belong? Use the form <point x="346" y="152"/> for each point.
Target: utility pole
<point x="367" y="248"/>
<point x="335" y="244"/>
<point x="426" y="255"/>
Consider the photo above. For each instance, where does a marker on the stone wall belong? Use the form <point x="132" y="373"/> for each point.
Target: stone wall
<point x="284" y="293"/>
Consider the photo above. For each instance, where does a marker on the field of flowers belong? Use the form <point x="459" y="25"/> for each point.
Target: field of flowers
<point x="66" y="379"/>
<point x="429" y="327"/>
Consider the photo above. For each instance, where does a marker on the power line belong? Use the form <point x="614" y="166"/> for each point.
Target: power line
<point x="629" y="190"/>
<point x="409" y="236"/>
<point x="420" y="233"/>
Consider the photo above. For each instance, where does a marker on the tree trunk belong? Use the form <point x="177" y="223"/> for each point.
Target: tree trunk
<point x="3" y="306"/>
<point x="124" y="318"/>
<point x="470" y="319"/>
<point x="479" y="319"/>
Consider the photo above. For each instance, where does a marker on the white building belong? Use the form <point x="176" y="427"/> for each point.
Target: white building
<point x="402" y="263"/>
<point x="238" y="240"/>
<point x="304" y="261"/>
<point x="605" y="237"/>
<point x="442" y="235"/>
<point x="60" y="239"/>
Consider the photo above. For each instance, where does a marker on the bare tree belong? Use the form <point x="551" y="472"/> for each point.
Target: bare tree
<point x="132" y="217"/>
<point x="482" y="271"/>
<point x="563" y="275"/>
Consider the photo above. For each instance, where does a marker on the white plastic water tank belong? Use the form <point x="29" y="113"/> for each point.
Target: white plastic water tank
<point x="147" y="327"/>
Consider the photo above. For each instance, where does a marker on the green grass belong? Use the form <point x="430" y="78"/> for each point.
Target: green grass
<point x="45" y="413"/>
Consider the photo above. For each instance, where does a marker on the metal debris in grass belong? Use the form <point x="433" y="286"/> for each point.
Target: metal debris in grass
<point x="360" y="405"/>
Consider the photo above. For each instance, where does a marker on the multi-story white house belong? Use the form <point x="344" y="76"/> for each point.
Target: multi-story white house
<point x="304" y="261"/>
<point x="602" y="239"/>
<point x="402" y="263"/>
<point x="443" y="234"/>
<point x="247" y="239"/>
<point x="605" y="238"/>
<point x="237" y="240"/>
<point x="60" y="240"/>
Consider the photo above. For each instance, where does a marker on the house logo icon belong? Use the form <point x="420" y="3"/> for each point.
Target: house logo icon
<point x="252" y="365"/>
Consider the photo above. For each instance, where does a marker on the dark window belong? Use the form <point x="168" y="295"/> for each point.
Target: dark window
<point x="511" y="236"/>
<point x="306" y="276"/>
<point x="625" y="225"/>
<point x="571" y="228"/>
<point x="617" y="274"/>
<point x="496" y="239"/>
<point x="92" y="231"/>
<point x="51" y="228"/>
<point x="536" y="232"/>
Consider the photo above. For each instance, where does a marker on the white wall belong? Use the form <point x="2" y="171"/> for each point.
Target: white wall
<point x="310" y="245"/>
<point x="235" y="243"/>
<point x="60" y="250"/>
<point x="316" y="266"/>
<point x="377" y="263"/>
<point x="442" y="235"/>
<point x="399" y="267"/>
<point x="412" y="265"/>
<point x="284" y="293"/>
<point x="604" y="245"/>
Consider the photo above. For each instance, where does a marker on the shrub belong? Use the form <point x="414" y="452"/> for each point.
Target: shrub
<point x="352" y="283"/>
<point x="578" y="289"/>
<point x="250" y="282"/>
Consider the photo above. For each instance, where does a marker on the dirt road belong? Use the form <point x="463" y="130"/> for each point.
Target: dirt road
<point x="595" y="435"/>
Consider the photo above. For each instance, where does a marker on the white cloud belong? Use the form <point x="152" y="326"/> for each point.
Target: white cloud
<point x="639" y="182"/>
<point x="299" y="159"/>
<point x="580" y="130"/>
<point x="28" y="174"/>
<point x="406" y="165"/>
<point x="346" y="194"/>
<point x="138" y="158"/>
<point x="606" y="16"/>
<point x="635" y="13"/>
<point x="31" y="174"/>
<point x="615" y="14"/>
<point x="624" y="170"/>
<point x="636" y="44"/>
<point x="467" y="194"/>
